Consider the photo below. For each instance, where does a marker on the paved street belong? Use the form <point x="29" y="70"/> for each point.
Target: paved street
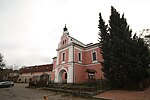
<point x="19" y="92"/>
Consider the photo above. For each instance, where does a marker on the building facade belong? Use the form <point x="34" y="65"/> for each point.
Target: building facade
<point x="75" y="61"/>
<point x="30" y="72"/>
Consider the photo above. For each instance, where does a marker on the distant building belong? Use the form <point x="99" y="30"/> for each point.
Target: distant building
<point x="29" y="72"/>
<point x="11" y="76"/>
<point x="75" y="61"/>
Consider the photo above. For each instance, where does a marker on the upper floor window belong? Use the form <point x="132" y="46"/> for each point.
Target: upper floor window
<point x="63" y="57"/>
<point x="79" y="57"/>
<point x="94" y="56"/>
<point x="64" y="42"/>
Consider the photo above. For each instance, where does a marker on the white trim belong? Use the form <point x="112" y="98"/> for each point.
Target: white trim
<point x="58" y="75"/>
<point x="91" y="49"/>
<point x="94" y="61"/>
<point x="80" y="61"/>
<point x="63" y="60"/>
<point x="62" y="68"/>
<point x="79" y="49"/>
<point x="64" y="37"/>
<point x="57" y="61"/>
<point x="64" y="48"/>
<point x="69" y="40"/>
<point x="70" y="54"/>
<point x="77" y="42"/>
<point x="70" y="74"/>
<point x="66" y="64"/>
<point x="88" y="64"/>
<point x="91" y="74"/>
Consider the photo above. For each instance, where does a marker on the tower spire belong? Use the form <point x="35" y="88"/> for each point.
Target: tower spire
<point x="65" y="28"/>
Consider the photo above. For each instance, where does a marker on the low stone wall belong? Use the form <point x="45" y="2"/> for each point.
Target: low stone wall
<point x="76" y="93"/>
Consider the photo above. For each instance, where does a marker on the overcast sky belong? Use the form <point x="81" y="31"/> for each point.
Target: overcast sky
<point x="30" y="30"/>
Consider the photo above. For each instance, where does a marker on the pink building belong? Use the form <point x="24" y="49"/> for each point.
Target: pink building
<point x="75" y="61"/>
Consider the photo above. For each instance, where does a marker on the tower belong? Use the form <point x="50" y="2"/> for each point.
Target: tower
<point x="64" y="66"/>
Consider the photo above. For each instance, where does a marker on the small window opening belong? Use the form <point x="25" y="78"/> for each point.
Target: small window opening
<point x="94" y="56"/>
<point x="79" y="56"/>
<point x="63" y="58"/>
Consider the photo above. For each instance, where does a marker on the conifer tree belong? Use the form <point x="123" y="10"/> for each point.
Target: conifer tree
<point x="125" y="60"/>
<point x="104" y="46"/>
<point x="141" y="59"/>
<point x="120" y="36"/>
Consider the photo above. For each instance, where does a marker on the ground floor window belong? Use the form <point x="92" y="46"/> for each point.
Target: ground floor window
<point x="91" y="73"/>
<point x="91" y="76"/>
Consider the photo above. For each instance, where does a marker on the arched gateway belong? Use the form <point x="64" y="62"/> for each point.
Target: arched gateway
<point x="62" y="76"/>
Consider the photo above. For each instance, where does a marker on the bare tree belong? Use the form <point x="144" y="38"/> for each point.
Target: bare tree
<point x="2" y="63"/>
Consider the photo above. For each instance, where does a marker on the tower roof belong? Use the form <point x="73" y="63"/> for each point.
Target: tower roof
<point x="65" y="28"/>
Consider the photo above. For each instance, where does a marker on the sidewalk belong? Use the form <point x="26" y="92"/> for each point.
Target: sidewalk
<point x="125" y="95"/>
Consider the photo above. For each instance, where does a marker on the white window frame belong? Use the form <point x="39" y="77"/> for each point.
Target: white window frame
<point x="91" y="75"/>
<point x="80" y="61"/>
<point x="94" y="61"/>
<point x="63" y="60"/>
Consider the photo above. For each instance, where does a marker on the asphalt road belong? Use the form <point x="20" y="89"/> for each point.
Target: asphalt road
<point x="19" y="92"/>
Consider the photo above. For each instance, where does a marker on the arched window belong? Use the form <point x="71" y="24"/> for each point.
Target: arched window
<point x="63" y="57"/>
<point x="94" y="56"/>
<point x="79" y="56"/>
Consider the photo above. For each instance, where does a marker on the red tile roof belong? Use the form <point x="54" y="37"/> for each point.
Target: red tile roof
<point x="37" y="68"/>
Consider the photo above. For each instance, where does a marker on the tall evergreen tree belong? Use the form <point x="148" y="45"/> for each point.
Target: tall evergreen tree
<point x="104" y="46"/>
<point x="124" y="59"/>
<point x="120" y="36"/>
<point x="141" y="60"/>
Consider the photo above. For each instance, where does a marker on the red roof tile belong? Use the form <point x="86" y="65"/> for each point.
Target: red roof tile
<point x="37" y="68"/>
